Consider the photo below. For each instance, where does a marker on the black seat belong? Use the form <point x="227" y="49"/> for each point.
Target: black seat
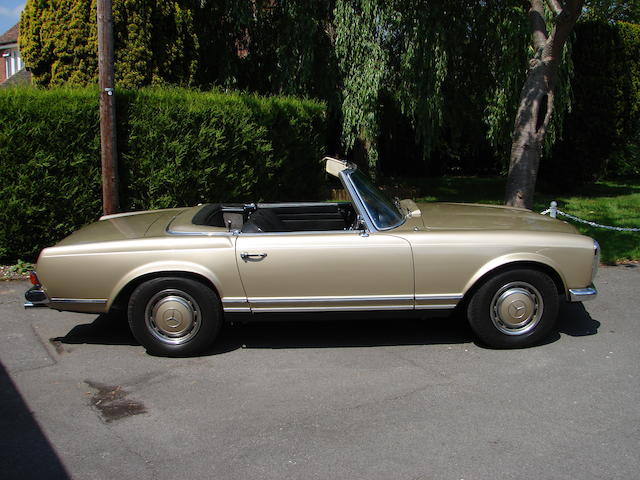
<point x="263" y="220"/>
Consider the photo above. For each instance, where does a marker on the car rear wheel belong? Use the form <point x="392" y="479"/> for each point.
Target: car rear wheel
<point x="515" y="308"/>
<point x="173" y="316"/>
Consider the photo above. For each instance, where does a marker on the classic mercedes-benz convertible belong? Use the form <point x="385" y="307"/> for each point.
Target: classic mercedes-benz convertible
<point x="180" y="272"/>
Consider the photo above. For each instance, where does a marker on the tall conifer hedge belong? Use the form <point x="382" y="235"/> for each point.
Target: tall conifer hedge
<point x="177" y="147"/>
<point x="155" y="42"/>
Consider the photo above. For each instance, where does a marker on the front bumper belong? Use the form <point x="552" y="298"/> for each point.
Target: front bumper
<point x="583" y="294"/>
<point x="36" y="297"/>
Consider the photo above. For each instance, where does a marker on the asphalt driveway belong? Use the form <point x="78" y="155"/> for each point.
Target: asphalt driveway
<point x="386" y="399"/>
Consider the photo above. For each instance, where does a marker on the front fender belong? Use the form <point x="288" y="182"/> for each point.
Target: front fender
<point x="514" y="259"/>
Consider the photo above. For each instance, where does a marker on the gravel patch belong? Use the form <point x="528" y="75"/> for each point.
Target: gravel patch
<point x="7" y="274"/>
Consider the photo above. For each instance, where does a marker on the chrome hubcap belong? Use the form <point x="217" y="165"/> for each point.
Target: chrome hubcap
<point x="173" y="316"/>
<point x="516" y="308"/>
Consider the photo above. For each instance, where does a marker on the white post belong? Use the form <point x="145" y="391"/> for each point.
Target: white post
<point x="553" y="209"/>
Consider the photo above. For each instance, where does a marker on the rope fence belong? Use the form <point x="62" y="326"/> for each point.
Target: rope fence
<point x="553" y="212"/>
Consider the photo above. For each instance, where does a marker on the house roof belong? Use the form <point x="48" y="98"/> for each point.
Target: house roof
<point x="22" y="77"/>
<point x="10" y="36"/>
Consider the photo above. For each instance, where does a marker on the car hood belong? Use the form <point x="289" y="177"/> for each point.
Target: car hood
<point x="122" y="226"/>
<point x="467" y="216"/>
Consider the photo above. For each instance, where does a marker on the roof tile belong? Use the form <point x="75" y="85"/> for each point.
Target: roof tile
<point x="10" y="36"/>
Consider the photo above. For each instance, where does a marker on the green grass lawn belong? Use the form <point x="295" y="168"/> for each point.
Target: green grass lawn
<point x="606" y="202"/>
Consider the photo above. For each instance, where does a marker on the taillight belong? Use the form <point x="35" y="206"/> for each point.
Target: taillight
<point x="34" y="278"/>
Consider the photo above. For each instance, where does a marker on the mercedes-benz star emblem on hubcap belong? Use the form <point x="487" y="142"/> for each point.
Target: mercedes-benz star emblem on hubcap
<point x="517" y="309"/>
<point x="172" y="318"/>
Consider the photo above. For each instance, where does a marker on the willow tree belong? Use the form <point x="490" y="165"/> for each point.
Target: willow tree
<point x="360" y="28"/>
<point x="448" y="66"/>
<point x="395" y="49"/>
<point x="537" y="96"/>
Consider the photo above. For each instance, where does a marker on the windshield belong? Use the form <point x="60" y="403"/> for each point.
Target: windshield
<point x="383" y="213"/>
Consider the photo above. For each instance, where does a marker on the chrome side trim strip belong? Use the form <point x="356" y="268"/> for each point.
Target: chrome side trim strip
<point x="324" y="309"/>
<point x="371" y="298"/>
<point x="96" y="301"/>
<point x="260" y="304"/>
<point x="235" y="304"/>
<point x="582" y="294"/>
<point x="448" y="306"/>
<point x="446" y="296"/>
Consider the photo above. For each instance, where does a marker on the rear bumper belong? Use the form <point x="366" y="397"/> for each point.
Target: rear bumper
<point x="36" y="298"/>
<point x="582" y="294"/>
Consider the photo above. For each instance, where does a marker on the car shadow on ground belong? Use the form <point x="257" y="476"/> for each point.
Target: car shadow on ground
<point x="106" y="329"/>
<point x="575" y="321"/>
<point x="292" y="332"/>
<point x="343" y="333"/>
<point x="316" y="332"/>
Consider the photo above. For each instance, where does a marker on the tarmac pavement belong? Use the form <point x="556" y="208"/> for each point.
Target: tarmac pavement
<point x="385" y="399"/>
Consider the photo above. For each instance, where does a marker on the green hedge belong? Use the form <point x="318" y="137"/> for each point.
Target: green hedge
<point x="177" y="147"/>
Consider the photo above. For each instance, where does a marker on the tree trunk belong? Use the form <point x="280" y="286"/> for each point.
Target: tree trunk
<point x="536" y="98"/>
<point x="536" y="104"/>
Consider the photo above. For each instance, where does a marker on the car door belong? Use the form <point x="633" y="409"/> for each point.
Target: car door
<point x="320" y="271"/>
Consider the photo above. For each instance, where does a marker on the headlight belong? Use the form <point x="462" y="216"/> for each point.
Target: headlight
<point x="596" y="259"/>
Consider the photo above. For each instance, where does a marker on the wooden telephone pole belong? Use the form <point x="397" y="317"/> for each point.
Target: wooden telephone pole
<point x="108" y="147"/>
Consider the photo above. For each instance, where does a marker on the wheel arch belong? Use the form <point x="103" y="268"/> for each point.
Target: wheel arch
<point x="494" y="269"/>
<point x="126" y="286"/>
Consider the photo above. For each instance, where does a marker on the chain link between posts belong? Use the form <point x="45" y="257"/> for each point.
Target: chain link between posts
<point x="553" y="212"/>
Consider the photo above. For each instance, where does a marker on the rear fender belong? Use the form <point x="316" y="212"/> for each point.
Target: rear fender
<point x="156" y="267"/>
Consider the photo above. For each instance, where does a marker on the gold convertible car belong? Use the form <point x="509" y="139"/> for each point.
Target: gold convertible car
<point x="180" y="272"/>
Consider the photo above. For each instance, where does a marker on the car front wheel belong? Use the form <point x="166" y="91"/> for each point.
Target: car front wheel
<point x="515" y="308"/>
<point x="173" y="316"/>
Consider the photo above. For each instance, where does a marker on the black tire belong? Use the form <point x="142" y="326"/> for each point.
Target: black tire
<point x="514" y="309"/>
<point x="174" y="317"/>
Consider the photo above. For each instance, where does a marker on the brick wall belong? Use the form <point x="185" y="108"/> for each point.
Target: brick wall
<point x="3" y="66"/>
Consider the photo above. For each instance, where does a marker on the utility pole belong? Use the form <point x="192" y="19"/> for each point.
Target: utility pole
<point x="108" y="147"/>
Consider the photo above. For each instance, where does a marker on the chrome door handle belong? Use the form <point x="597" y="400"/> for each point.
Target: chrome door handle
<point x="246" y="255"/>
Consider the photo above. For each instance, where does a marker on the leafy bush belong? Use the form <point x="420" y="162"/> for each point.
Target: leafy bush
<point x="177" y="147"/>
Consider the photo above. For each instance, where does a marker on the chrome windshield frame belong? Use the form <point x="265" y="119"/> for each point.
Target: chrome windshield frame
<point x="361" y="206"/>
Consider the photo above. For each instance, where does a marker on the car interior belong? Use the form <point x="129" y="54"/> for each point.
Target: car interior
<point x="278" y="217"/>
